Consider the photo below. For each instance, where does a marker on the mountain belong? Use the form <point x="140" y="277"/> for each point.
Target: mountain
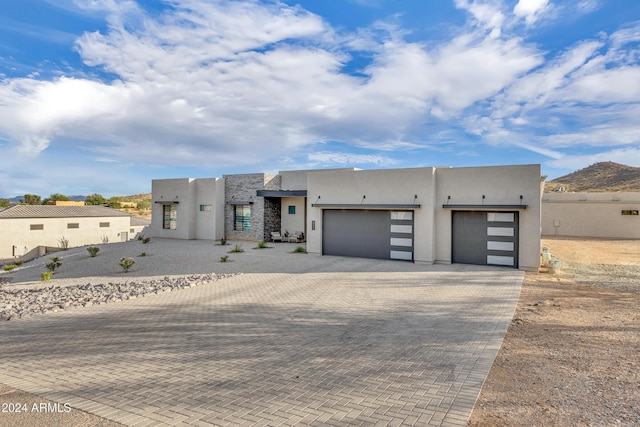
<point x="604" y="176"/>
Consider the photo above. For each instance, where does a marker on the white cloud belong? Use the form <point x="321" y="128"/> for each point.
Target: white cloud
<point x="628" y="156"/>
<point x="530" y="10"/>
<point x="325" y="158"/>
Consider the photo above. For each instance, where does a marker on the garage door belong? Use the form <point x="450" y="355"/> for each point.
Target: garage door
<point x="485" y="238"/>
<point x="368" y="233"/>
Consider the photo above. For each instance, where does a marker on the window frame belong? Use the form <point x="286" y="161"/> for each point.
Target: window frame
<point x="170" y="216"/>
<point x="241" y="217"/>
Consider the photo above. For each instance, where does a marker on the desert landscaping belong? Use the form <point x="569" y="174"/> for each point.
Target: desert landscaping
<point x="570" y="356"/>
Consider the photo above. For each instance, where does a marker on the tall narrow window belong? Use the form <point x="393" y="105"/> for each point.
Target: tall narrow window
<point x="170" y="216"/>
<point x="242" y="217"/>
<point x="292" y="210"/>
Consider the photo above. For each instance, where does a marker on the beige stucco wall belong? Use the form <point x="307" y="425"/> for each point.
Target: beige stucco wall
<point x="501" y="185"/>
<point x="389" y="186"/>
<point x="172" y="190"/>
<point x="16" y="231"/>
<point x="591" y="215"/>
<point x="295" y="222"/>
<point x="191" y="223"/>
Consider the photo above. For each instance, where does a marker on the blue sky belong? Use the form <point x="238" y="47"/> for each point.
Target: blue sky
<point x="105" y="95"/>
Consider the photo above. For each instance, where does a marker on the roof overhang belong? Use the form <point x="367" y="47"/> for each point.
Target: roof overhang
<point x="239" y="202"/>
<point x="282" y="193"/>
<point x="380" y="206"/>
<point x="486" y="207"/>
<point x="167" y="202"/>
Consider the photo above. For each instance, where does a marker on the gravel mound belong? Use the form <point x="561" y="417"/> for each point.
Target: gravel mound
<point x="23" y="302"/>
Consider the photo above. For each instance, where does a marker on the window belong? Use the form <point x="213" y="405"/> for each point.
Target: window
<point x="132" y="230"/>
<point x="206" y="208"/>
<point x="292" y="210"/>
<point x="242" y="216"/>
<point x="36" y="227"/>
<point x="170" y="216"/>
<point x="73" y="225"/>
<point x="629" y="212"/>
<point x="105" y="225"/>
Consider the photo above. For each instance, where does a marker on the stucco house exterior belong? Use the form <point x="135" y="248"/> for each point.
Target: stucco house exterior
<point x="613" y="215"/>
<point x="27" y="230"/>
<point x="473" y="215"/>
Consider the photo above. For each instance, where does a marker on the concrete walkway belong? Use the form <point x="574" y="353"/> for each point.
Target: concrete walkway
<point x="371" y="346"/>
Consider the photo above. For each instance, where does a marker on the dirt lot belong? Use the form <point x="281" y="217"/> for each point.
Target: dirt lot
<point x="571" y="356"/>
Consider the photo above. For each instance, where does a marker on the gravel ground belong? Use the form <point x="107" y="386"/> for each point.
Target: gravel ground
<point x="571" y="356"/>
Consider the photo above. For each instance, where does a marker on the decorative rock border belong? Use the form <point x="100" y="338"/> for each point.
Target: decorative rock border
<point x="18" y="303"/>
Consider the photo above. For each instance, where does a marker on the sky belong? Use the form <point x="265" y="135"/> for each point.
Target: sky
<point x="102" y="96"/>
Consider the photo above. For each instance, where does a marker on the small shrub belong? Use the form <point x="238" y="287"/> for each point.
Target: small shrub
<point x="262" y="244"/>
<point x="126" y="263"/>
<point x="45" y="276"/>
<point x="18" y="262"/>
<point x="300" y="250"/>
<point x="224" y="258"/>
<point x="237" y="248"/>
<point x="9" y="267"/>
<point x="143" y="254"/>
<point x="223" y="242"/>
<point x="146" y="240"/>
<point x="140" y="237"/>
<point x="93" y="250"/>
<point x="54" y="264"/>
<point x="63" y="243"/>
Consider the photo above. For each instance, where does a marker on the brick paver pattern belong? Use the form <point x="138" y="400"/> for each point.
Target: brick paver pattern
<point x="324" y="348"/>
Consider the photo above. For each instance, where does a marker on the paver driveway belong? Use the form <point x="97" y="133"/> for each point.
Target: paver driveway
<point x="319" y="348"/>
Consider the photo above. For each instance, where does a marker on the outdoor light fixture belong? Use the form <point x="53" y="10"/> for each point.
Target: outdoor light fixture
<point x="363" y="197"/>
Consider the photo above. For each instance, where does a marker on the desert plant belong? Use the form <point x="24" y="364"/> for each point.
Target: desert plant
<point x="54" y="264"/>
<point x="262" y="244"/>
<point x="300" y="249"/>
<point x="17" y="262"/>
<point x="224" y="258"/>
<point x="9" y="267"/>
<point x="126" y="263"/>
<point x="93" y="250"/>
<point x="45" y="276"/>
<point x="140" y="236"/>
<point x="63" y="243"/>
<point x="143" y="254"/>
<point x="146" y="240"/>
<point x="223" y="241"/>
<point x="237" y="248"/>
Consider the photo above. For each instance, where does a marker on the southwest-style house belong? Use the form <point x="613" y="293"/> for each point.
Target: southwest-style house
<point x="473" y="215"/>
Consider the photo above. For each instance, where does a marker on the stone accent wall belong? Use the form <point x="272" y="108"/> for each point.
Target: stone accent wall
<point x="272" y="216"/>
<point x="243" y="188"/>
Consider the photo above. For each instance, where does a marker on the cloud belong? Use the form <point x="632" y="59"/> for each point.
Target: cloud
<point x="530" y="10"/>
<point x="325" y="158"/>
<point x="628" y="156"/>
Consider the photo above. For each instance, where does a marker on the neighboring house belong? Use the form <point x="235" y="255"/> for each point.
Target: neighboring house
<point x="607" y="215"/>
<point x="475" y="215"/>
<point x="27" y="230"/>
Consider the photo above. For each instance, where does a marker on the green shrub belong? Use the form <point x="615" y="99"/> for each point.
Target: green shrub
<point x="93" y="250"/>
<point x="45" y="276"/>
<point x="143" y="254"/>
<point x="18" y="262"/>
<point x="126" y="263"/>
<point x="224" y="258"/>
<point x="300" y="249"/>
<point x="9" y="267"/>
<point x="262" y="244"/>
<point x="237" y="248"/>
<point x="223" y="241"/>
<point x="146" y="240"/>
<point x="54" y="264"/>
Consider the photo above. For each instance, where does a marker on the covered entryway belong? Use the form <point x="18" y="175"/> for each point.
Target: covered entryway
<point x="485" y="238"/>
<point x="365" y="233"/>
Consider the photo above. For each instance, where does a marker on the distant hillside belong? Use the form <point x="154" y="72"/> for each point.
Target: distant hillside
<point x="604" y="176"/>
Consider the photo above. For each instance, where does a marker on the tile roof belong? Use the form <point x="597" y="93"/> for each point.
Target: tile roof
<point x="49" y="211"/>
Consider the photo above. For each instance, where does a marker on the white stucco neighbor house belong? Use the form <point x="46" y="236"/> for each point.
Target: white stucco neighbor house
<point x="473" y="215"/>
<point x="613" y="215"/>
<point x="27" y="230"/>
